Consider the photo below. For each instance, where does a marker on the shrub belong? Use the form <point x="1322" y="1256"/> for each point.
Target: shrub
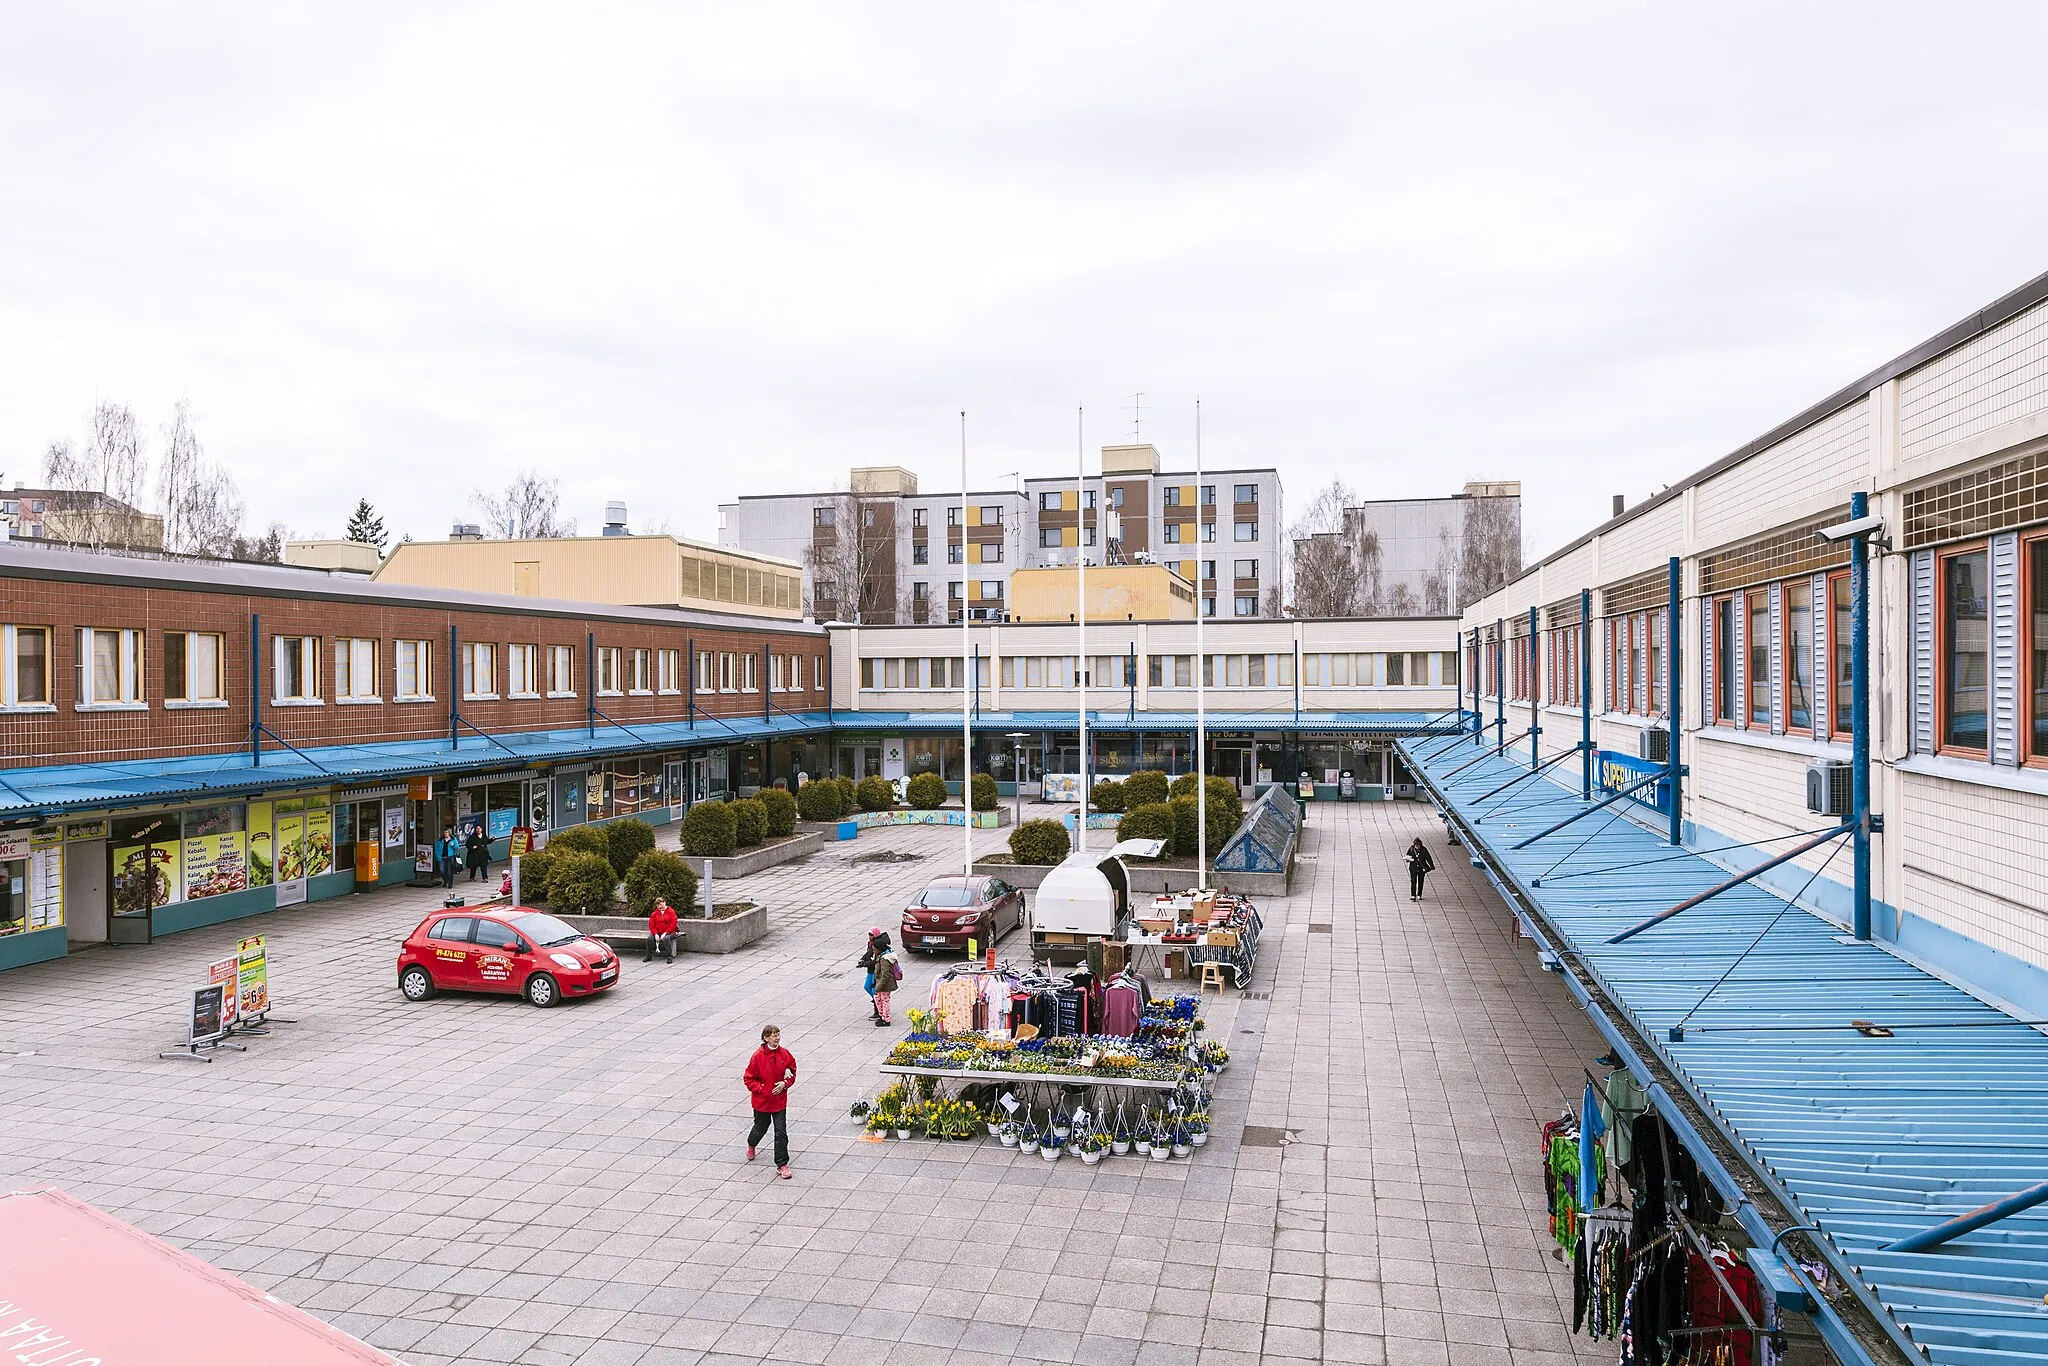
<point x="781" y="809"/>
<point x="626" y="841"/>
<point x="582" y="839"/>
<point x="849" y="795"/>
<point x="1183" y="786"/>
<point x="984" y="792"/>
<point x="708" y="829"/>
<point x="1106" y="795"/>
<point x="533" y="874"/>
<point x="1040" y="842"/>
<point x="749" y="822"/>
<point x="1225" y="813"/>
<point x="1222" y="791"/>
<point x="1151" y="821"/>
<point x="659" y="873"/>
<point x="581" y="883"/>
<point x="875" y="794"/>
<point x="818" y="800"/>
<point x="927" y="792"/>
<point x="1144" y="788"/>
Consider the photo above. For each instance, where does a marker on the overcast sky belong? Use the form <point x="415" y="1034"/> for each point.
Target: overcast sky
<point x="675" y="254"/>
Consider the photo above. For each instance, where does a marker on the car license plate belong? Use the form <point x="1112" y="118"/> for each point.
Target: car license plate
<point x="607" y="975"/>
<point x="935" y="939"/>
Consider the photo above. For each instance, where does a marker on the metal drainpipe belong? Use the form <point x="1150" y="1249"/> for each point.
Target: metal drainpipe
<point x="1672" y="709"/>
<point x="1535" y="686"/>
<point x="767" y="695"/>
<point x="1859" y="705"/>
<point x="590" y="681"/>
<point x="1586" y="694"/>
<point x="690" y="644"/>
<point x="1478" y="669"/>
<point x="255" y="693"/>
<point x="1500" y="683"/>
<point x="454" y="688"/>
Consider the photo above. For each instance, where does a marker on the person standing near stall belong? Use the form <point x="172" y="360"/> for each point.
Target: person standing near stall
<point x="445" y="856"/>
<point x="479" y="854"/>
<point x="888" y="976"/>
<point x="876" y="939"/>
<point x="769" y="1075"/>
<point x="1420" y="866"/>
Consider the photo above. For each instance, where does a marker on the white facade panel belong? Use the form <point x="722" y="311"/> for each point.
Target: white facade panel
<point x="1986" y="382"/>
<point x="1782" y="482"/>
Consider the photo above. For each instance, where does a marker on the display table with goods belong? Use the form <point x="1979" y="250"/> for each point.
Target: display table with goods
<point x="1208" y="927"/>
<point x="1093" y="1094"/>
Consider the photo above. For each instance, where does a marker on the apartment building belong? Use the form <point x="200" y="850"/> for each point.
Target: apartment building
<point x="883" y="552"/>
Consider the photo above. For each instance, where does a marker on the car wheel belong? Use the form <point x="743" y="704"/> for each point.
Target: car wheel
<point x="542" y="991"/>
<point x="416" y="983"/>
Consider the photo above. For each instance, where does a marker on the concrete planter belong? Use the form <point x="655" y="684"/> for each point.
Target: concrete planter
<point x="945" y="815"/>
<point x="829" y="831"/>
<point x="1097" y="820"/>
<point x="754" y="860"/>
<point x="628" y="934"/>
<point x="1027" y="875"/>
<point x="1148" y="878"/>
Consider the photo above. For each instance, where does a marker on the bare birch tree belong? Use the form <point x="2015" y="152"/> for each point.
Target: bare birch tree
<point x="202" y="507"/>
<point x="1326" y="569"/>
<point x="530" y="507"/>
<point x="1490" y="548"/>
<point x="852" y="561"/>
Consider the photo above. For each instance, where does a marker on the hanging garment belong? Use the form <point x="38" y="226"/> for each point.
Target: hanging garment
<point x="1592" y="1127"/>
<point x="1708" y="1305"/>
<point x="1122" y="1007"/>
<point x="1625" y="1101"/>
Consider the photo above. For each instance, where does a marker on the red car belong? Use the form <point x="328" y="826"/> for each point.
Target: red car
<point x="951" y="910"/>
<point x="511" y="950"/>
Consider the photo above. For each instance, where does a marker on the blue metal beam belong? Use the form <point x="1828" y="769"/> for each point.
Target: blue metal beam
<point x="1804" y="846"/>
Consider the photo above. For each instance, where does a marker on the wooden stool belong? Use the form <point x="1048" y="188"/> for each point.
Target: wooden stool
<point x="1212" y="976"/>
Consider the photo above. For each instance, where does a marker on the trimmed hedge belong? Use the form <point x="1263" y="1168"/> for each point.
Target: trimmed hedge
<point x="709" y="830"/>
<point x="581" y="883"/>
<point x="659" y="873"/>
<point x="625" y="841"/>
<point x="1146" y="787"/>
<point x="1151" y="821"/>
<point x="534" y="869"/>
<point x="818" y="800"/>
<point x="875" y="793"/>
<point x="1107" y="795"/>
<point x="582" y="839"/>
<point x="1226" y="813"/>
<point x="849" y="795"/>
<point x="1220" y="789"/>
<point x="984" y="788"/>
<point x="749" y="822"/>
<point x="781" y="809"/>
<point x="927" y="791"/>
<point x="1039" y="842"/>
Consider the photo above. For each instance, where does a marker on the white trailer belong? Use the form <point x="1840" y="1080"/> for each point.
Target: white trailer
<point x="1087" y="897"/>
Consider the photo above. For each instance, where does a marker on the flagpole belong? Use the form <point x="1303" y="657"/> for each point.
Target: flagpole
<point x="1201" y="693"/>
<point x="1081" y="617"/>
<point x="966" y="683"/>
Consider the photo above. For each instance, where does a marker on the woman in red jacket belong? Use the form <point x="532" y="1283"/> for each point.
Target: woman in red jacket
<point x="769" y="1075"/>
<point x="661" y="931"/>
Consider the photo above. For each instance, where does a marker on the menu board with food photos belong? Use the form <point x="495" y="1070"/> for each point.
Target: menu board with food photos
<point x="317" y="850"/>
<point x="215" y="864"/>
<point x="262" y="849"/>
<point x="46" y="878"/>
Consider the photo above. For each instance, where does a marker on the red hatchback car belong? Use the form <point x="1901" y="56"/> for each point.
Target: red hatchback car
<point x="951" y="910"/>
<point x="510" y="950"/>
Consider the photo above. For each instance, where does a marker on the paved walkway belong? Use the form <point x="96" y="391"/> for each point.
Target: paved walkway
<point x="473" y="1180"/>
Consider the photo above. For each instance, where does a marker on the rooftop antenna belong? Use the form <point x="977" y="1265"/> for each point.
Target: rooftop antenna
<point x="1137" y="417"/>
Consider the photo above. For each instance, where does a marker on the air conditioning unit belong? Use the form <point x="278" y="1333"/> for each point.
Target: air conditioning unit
<point x="1654" y="744"/>
<point x="1829" y="788"/>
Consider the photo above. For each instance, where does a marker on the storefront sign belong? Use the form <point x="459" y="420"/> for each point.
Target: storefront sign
<point x="208" y="1006"/>
<point x="1617" y="771"/>
<point x="223" y="974"/>
<point x="291" y="891"/>
<point x="394" y="827"/>
<point x="14" y="846"/>
<point x="253" y="976"/>
<point x="419" y="789"/>
<point x="146" y="875"/>
<point x="262" y="845"/>
<point x="46" y="878"/>
<point x="522" y="841"/>
<point x="215" y="864"/>
<point x="86" y="830"/>
<point x="498" y="824"/>
<point x="317" y="856"/>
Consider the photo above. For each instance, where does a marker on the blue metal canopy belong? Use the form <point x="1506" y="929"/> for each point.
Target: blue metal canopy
<point x="1120" y="721"/>
<point x="1873" y="1139"/>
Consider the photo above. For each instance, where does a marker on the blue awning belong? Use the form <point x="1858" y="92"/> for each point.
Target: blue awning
<point x="1120" y="721"/>
<point x="1872" y="1139"/>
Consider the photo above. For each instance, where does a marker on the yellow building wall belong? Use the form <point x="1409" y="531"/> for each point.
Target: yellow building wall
<point x="1142" y="592"/>
<point x="627" y="570"/>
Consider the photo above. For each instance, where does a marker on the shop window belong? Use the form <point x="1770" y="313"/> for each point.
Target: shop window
<point x="1242" y="531"/>
<point x="415" y="671"/>
<point x="295" y="670"/>
<point x="192" y="667"/>
<point x="26" y="681"/>
<point x="521" y="679"/>
<point x="1798" y="650"/>
<point x="109" y="668"/>
<point x="640" y="679"/>
<point x="479" y="670"/>
<point x="355" y="669"/>
<point x="608" y="665"/>
<point x="1964" y="653"/>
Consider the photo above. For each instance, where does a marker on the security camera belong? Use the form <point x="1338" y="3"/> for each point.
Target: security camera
<point x="1850" y="530"/>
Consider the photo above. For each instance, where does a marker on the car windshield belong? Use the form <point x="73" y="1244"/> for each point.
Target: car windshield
<point x="946" y="897"/>
<point x="547" y="931"/>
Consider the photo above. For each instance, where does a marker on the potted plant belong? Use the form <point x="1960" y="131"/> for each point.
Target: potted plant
<point x="1143" y="1142"/>
<point x="1162" y="1146"/>
<point x="859" y="1112"/>
<point x="1180" y="1143"/>
<point x="1198" y="1128"/>
<point x="1050" y="1147"/>
<point x="880" y="1124"/>
<point x="1120" y="1142"/>
<point x="1093" y="1147"/>
<point x="1027" y="1139"/>
<point x="1007" y="1133"/>
<point x="907" y="1119"/>
<point x="1062" y="1129"/>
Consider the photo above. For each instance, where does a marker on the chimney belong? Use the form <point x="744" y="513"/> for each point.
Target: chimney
<point x="615" y="519"/>
<point x="1620" y="503"/>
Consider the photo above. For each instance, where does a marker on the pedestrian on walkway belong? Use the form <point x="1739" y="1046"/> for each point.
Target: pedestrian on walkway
<point x="888" y="976"/>
<point x="1420" y="866"/>
<point x="445" y="857"/>
<point x="769" y="1075"/>
<point x="876" y="939"/>
<point x="661" y="931"/>
<point x="479" y="854"/>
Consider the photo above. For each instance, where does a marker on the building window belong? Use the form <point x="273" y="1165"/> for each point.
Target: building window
<point x="920" y="554"/>
<point x="1242" y="531"/>
<point x="1208" y="495"/>
<point x="992" y="514"/>
<point x="1756" y="641"/>
<point x="640" y="678"/>
<point x="919" y="516"/>
<point x="415" y="681"/>
<point x="355" y="669"/>
<point x="608" y="671"/>
<point x="1245" y="605"/>
<point x="867" y="516"/>
<point x="27" y="680"/>
<point x="1170" y="496"/>
<point x="1049" y="536"/>
<point x="952" y="514"/>
<point x="192" y="666"/>
<point x="1116" y="497"/>
<point x="823" y="517"/>
<point x="1247" y="569"/>
<point x="1799" y="656"/>
<point x="1244" y="493"/>
<point x="955" y="553"/>
<point x="1723" y="653"/>
<point x="1965" y="650"/>
<point x="817" y="673"/>
<point x="668" y="671"/>
<point x="1840" y="702"/>
<point x="1173" y="532"/>
<point x="561" y="670"/>
<point x="2034" y="575"/>
<point x="1397" y="670"/>
<point x="1209" y="532"/>
<point x="1049" y="502"/>
<point x="992" y="551"/>
<point x="520" y="674"/>
<point x="1418" y="672"/>
<point x="747" y="681"/>
<point x="1209" y="605"/>
<point x="479" y="670"/>
<point x="296" y="673"/>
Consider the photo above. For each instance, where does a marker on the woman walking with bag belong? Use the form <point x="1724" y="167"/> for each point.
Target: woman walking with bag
<point x="1420" y="866"/>
<point x="866" y="962"/>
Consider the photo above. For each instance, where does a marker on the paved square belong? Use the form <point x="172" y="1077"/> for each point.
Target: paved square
<point x="473" y="1180"/>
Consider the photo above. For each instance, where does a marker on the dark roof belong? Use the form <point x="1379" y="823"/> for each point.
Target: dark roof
<point x="39" y="561"/>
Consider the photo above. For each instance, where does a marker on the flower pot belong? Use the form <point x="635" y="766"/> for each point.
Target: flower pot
<point x="995" y="1130"/>
<point x="1120" y="1146"/>
<point x="1144" y="1147"/>
<point x="1160" y="1153"/>
<point x="1198" y="1139"/>
<point x="1091" y="1156"/>
<point x="1028" y="1145"/>
<point x="1062" y="1132"/>
<point x="1181" y="1150"/>
<point x="903" y="1133"/>
<point x="1009" y="1140"/>
<point x="1050" y="1154"/>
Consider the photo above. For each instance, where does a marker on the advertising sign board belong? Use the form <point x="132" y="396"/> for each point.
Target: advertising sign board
<point x="1615" y="771"/>
<point x="252" y="978"/>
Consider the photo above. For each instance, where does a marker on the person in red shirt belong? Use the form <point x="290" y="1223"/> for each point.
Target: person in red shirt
<point x="661" y="931"/>
<point x="769" y="1075"/>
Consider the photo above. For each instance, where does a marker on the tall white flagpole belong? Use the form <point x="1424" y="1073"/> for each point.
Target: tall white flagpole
<point x="1081" y="616"/>
<point x="1201" y="691"/>
<point x="966" y="680"/>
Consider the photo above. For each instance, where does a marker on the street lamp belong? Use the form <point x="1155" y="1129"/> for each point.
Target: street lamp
<point x="1017" y="739"/>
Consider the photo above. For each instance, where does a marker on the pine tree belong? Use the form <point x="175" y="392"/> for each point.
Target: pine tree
<point x="366" y="526"/>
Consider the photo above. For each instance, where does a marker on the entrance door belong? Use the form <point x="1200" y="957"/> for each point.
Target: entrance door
<point x="678" y="798"/>
<point x="860" y="761"/>
<point x="1235" y="763"/>
<point x="85" y="891"/>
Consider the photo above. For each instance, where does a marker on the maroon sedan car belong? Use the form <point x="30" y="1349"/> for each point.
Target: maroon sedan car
<point x="951" y="910"/>
<point x="510" y="950"/>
